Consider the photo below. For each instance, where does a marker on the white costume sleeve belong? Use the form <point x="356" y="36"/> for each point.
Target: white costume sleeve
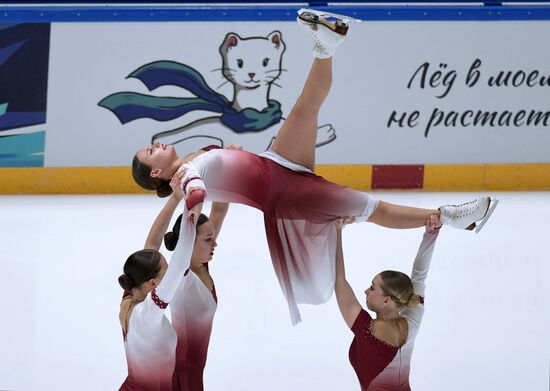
<point x="421" y="263"/>
<point x="151" y="310"/>
<point x="193" y="176"/>
<point x="419" y="274"/>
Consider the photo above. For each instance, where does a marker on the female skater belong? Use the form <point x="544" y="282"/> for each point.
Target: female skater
<point x="299" y="207"/>
<point x="195" y="302"/>
<point x="382" y="348"/>
<point x="150" y="284"/>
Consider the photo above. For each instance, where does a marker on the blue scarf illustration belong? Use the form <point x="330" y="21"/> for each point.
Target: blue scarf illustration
<point x="128" y="106"/>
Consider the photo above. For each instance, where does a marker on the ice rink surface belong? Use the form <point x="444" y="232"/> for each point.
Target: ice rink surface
<point x="486" y="325"/>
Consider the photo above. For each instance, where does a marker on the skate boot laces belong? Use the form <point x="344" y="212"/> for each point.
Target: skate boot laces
<point x="465" y="209"/>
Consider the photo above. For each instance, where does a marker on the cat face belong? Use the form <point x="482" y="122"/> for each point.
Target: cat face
<point x="252" y="62"/>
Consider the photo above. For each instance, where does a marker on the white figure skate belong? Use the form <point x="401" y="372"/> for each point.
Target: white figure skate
<point x="328" y="35"/>
<point x="325" y="15"/>
<point x="470" y="215"/>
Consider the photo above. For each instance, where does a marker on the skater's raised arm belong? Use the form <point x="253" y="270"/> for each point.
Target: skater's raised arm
<point x="423" y="258"/>
<point x="217" y="215"/>
<point x="193" y="188"/>
<point x="347" y="302"/>
<point x="179" y="263"/>
<point x="160" y="225"/>
<point x="420" y="268"/>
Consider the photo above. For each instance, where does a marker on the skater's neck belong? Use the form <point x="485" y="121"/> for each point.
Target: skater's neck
<point x="180" y="161"/>
<point x="389" y="316"/>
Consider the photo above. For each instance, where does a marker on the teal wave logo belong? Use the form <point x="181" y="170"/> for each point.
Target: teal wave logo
<point x="23" y="150"/>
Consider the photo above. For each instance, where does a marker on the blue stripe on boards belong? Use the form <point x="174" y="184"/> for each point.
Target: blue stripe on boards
<point x="223" y="13"/>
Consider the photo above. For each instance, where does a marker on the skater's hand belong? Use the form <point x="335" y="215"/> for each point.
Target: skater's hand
<point x="343" y="221"/>
<point x="194" y="213"/>
<point x="183" y="170"/>
<point x="175" y="184"/>
<point x="234" y="147"/>
<point x="433" y="224"/>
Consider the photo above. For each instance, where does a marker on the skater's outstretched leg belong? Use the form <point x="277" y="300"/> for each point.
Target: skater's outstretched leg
<point x="469" y="215"/>
<point x="398" y="216"/>
<point x="297" y="137"/>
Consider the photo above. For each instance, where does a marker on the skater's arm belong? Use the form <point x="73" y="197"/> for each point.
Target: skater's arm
<point x="149" y="314"/>
<point x="217" y="215"/>
<point x="347" y="302"/>
<point x="160" y="225"/>
<point x="423" y="258"/>
<point x="420" y="269"/>
<point x="181" y="257"/>
<point x="193" y="187"/>
<point x="196" y="173"/>
<point x="179" y="262"/>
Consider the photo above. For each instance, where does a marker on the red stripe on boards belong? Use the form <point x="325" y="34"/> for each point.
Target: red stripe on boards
<point x="395" y="176"/>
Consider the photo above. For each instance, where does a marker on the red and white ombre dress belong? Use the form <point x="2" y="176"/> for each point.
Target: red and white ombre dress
<point x="193" y="309"/>
<point x="299" y="210"/>
<point x="378" y="365"/>
<point x="150" y="341"/>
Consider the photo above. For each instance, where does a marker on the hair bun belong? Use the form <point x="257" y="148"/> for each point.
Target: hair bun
<point x="164" y="190"/>
<point x="126" y="282"/>
<point x="170" y="240"/>
<point x="413" y="301"/>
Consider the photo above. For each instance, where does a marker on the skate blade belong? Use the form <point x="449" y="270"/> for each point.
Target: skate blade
<point x="338" y="27"/>
<point x="492" y="206"/>
<point x="343" y="18"/>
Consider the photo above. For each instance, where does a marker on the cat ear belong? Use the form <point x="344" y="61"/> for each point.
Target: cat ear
<point x="230" y="40"/>
<point x="276" y="38"/>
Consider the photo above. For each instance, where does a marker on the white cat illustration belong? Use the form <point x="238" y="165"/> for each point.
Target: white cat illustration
<point x="251" y="118"/>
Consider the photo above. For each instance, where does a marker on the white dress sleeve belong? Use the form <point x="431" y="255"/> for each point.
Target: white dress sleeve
<point x="193" y="176"/>
<point x="419" y="274"/>
<point x="151" y="310"/>
<point x="422" y="261"/>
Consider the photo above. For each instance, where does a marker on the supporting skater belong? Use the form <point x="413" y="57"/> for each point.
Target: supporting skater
<point x="195" y="303"/>
<point x="150" y="285"/>
<point x="382" y="348"/>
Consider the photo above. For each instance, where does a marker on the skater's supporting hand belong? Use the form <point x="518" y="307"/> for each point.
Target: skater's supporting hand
<point x="195" y="212"/>
<point x="234" y="147"/>
<point x="343" y="221"/>
<point x="433" y="224"/>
